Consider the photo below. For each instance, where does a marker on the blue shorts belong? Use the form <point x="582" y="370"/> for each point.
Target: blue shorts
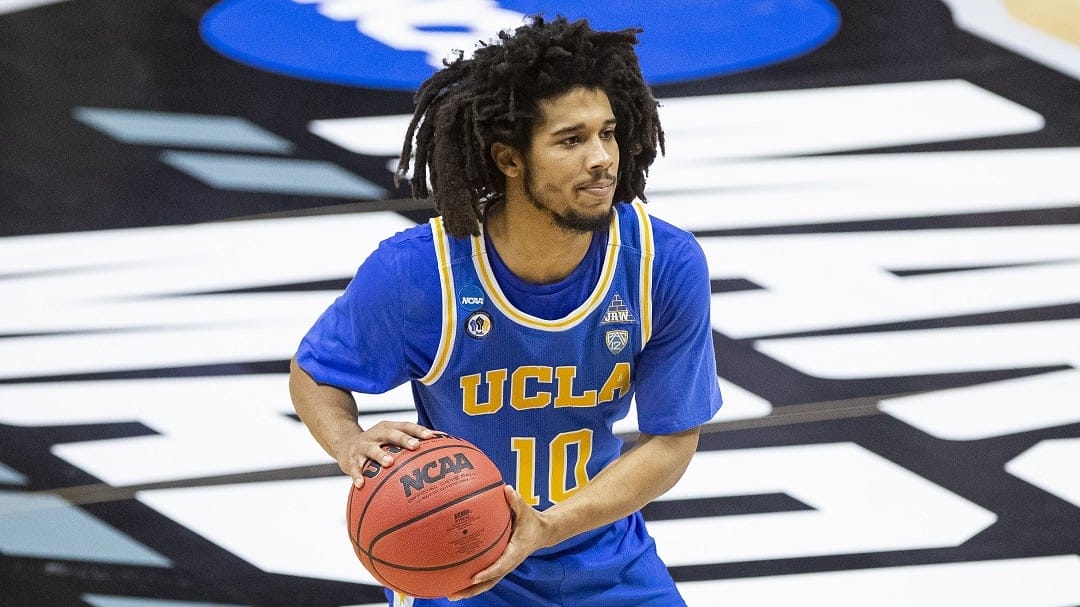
<point x="616" y="567"/>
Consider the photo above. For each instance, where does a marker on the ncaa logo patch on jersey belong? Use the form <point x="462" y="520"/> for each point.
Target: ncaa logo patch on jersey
<point x="471" y="297"/>
<point x="478" y="324"/>
<point x="616" y="340"/>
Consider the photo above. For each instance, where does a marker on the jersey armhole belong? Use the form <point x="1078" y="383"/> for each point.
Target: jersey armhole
<point x="449" y="313"/>
<point x="646" y="269"/>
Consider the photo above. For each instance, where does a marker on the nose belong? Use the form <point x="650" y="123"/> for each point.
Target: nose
<point x="599" y="155"/>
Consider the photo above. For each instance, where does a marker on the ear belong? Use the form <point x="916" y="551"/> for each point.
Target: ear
<point x="507" y="159"/>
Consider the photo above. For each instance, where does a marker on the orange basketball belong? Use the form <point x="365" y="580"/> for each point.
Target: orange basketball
<point x="431" y="521"/>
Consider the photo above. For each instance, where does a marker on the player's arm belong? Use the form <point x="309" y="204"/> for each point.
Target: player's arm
<point x="330" y="414"/>
<point x="635" y="478"/>
<point x="357" y="344"/>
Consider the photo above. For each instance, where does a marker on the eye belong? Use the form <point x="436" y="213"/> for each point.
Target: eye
<point x="607" y="134"/>
<point x="570" y="141"/>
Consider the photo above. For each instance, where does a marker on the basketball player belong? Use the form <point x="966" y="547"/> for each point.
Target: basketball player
<point x="530" y="312"/>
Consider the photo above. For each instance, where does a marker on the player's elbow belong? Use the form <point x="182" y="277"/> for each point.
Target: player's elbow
<point x="674" y="452"/>
<point x="684" y="445"/>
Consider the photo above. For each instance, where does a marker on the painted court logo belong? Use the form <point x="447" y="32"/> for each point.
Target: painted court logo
<point x="396" y="44"/>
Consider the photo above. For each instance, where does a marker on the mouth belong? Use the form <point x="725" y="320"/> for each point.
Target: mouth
<point x="600" y="187"/>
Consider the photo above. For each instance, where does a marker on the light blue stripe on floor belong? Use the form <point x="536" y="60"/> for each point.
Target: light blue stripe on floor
<point x="182" y="130"/>
<point x="273" y="175"/>
<point x="104" y="600"/>
<point x="45" y="526"/>
<point x="11" y="477"/>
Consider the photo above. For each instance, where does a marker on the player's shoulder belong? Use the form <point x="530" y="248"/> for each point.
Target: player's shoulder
<point x="407" y="260"/>
<point x="405" y="257"/>
<point x="668" y="232"/>
<point x="667" y="238"/>
<point x="408" y="247"/>
<point x="414" y="237"/>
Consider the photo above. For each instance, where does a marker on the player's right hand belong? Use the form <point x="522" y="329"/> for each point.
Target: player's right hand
<point x="368" y="446"/>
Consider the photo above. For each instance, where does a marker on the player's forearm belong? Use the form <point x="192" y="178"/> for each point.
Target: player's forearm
<point x="329" y="413"/>
<point x="637" y="477"/>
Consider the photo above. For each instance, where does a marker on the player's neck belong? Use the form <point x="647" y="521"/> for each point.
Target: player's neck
<point x="532" y="246"/>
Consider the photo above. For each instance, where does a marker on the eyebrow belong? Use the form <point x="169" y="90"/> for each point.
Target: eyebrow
<point x="566" y="130"/>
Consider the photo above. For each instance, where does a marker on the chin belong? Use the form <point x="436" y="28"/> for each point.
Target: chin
<point x="586" y="222"/>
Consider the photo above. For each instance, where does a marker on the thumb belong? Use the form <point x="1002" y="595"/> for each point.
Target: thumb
<point x="513" y="498"/>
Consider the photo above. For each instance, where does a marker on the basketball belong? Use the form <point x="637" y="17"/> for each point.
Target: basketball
<point x="430" y="522"/>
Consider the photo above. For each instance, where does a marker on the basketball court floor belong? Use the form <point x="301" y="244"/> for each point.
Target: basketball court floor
<point x="888" y="194"/>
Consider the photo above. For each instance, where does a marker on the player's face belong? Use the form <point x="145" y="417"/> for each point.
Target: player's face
<point x="571" y="167"/>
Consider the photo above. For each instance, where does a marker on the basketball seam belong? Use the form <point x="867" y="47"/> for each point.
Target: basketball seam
<point x="426" y="514"/>
<point x="377" y="561"/>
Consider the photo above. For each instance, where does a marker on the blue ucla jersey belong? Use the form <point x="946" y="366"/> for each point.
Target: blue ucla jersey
<point x="535" y="376"/>
<point x="544" y="393"/>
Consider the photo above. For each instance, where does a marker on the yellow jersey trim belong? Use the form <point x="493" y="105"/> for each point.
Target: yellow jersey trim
<point x="487" y="276"/>
<point x="449" y="314"/>
<point x="645" y="280"/>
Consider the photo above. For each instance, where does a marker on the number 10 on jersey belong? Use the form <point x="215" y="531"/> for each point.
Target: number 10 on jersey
<point x="568" y="457"/>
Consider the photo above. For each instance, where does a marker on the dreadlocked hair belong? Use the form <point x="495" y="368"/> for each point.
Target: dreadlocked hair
<point x="494" y="96"/>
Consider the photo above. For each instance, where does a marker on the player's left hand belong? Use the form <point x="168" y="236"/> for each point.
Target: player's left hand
<point x="527" y="537"/>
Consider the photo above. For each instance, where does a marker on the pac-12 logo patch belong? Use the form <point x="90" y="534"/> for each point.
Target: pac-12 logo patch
<point x="397" y="44"/>
<point x="616" y="340"/>
<point x="478" y="324"/>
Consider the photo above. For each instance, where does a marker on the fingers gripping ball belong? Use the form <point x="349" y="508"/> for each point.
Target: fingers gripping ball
<point x="435" y="518"/>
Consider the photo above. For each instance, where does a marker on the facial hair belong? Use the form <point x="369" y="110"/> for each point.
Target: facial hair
<point x="570" y="220"/>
